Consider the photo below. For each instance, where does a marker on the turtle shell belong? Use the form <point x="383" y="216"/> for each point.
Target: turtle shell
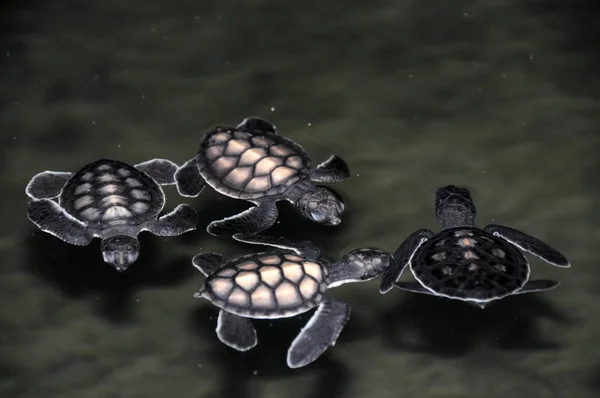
<point x="248" y="166"/>
<point x="267" y="285"/>
<point x="109" y="193"/>
<point x="470" y="264"/>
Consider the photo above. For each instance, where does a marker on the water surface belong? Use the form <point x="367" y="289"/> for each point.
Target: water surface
<point x="493" y="95"/>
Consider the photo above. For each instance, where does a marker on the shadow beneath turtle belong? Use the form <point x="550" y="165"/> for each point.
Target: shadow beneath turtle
<point x="450" y="328"/>
<point x="79" y="272"/>
<point x="212" y="206"/>
<point x="267" y="361"/>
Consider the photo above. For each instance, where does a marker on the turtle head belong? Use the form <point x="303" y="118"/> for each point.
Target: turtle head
<point x="454" y="206"/>
<point x="120" y="251"/>
<point x="359" y="265"/>
<point x="322" y="206"/>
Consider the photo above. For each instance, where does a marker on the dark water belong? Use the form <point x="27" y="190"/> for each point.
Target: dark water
<point x="499" y="96"/>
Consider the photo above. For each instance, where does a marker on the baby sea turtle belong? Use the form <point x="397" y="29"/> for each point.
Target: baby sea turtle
<point x="466" y="263"/>
<point x="252" y="162"/>
<point x="110" y="200"/>
<point x="281" y="284"/>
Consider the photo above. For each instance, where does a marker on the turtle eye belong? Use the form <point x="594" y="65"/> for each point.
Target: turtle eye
<point x="317" y="215"/>
<point x="120" y="259"/>
<point x="321" y="213"/>
<point x="120" y="251"/>
<point x="322" y="207"/>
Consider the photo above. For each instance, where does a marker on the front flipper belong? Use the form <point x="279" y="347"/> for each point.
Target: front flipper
<point x="188" y="179"/>
<point x="160" y="170"/>
<point x="303" y="248"/>
<point x="235" y="331"/>
<point x="254" y="124"/>
<point x="402" y="257"/>
<point x="529" y="244"/>
<point x="48" y="216"/>
<point x="183" y="219"/>
<point x="252" y="221"/>
<point x="207" y="263"/>
<point x="47" y="184"/>
<point x="539" y="285"/>
<point x="333" y="169"/>
<point x="320" y="332"/>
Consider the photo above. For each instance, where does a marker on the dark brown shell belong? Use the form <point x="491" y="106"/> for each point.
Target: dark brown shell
<point x="109" y="193"/>
<point x="467" y="262"/>
<point x="267" y="285"/>
<point x="251" y="165"/>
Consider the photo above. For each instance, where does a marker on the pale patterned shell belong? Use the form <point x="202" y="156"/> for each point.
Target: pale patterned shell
<point x="109" y="193"/>
<point x="267" y="285"/>
<point x="467" y="262"/>
<point x="249" y="166"/>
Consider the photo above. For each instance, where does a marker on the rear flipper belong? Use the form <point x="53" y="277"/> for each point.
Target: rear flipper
<point x="235" y="331"/>
<point x="319" y="333"/>
<point x="413" y="287"/>
<point x="188" y="179"/>
<point x="47" y="185"/>
<point x="254" y="124"/>
<point x="207" y="263"/>
<point x="539" y="285"/>
<point x="48" y="216"/>
<point x="160" y="170"/>
<point x="333" y="169"/>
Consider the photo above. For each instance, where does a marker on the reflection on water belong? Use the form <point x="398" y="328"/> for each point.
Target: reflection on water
<point x="412" y="94"/>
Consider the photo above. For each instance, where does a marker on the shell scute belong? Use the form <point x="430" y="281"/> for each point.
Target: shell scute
<point x="267" y="164"/>
<point x="262" y="298"/>
<point x="258" y="184"/>
<point x="247" y="280"/>
<point x="276" y="285"/>
<point x="293" y="271"/>
<point x="313" y="269"/>
<point x="239" y="297"/>
<point x="239" y="175"/>
<point x="287" y="294"/>
<point x="236" y="147"/>
<point x="109" y="193"/>
<point x="249" y="166"/>
<point x="470" y="263"/>
<point x="83" y="188"/>
<point x="308" y="287"/>
<point x="223" y="165"/>
<point x="270" y="275"/>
